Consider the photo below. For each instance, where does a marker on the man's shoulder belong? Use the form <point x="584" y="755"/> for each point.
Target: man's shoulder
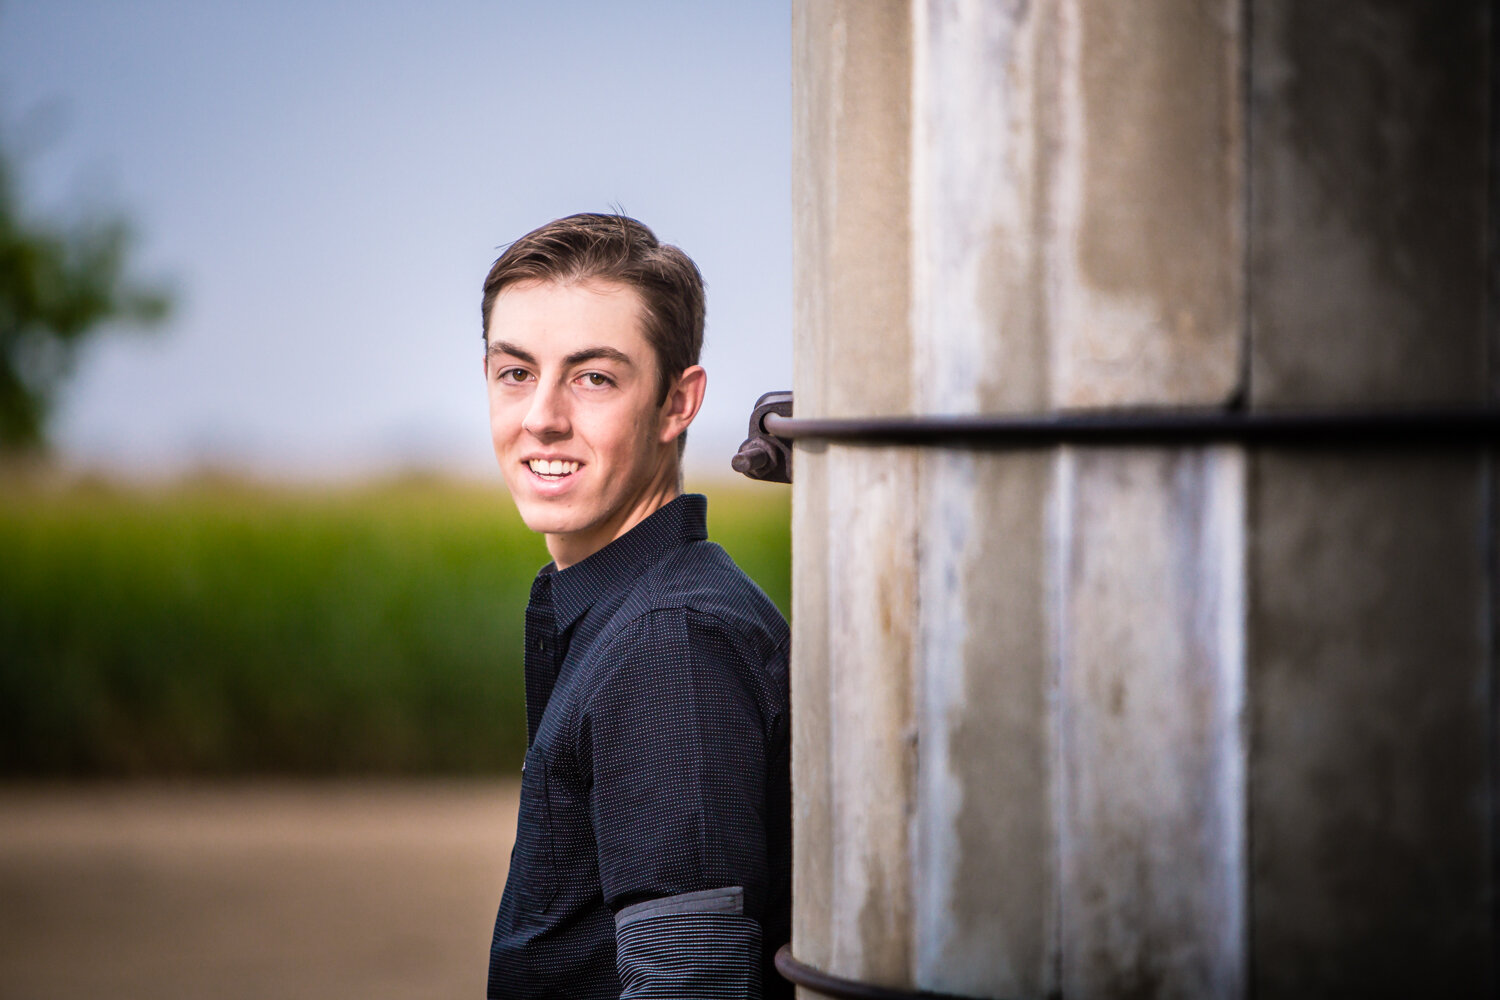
<point x="691" y="624"/>
<point x="700" y="574"/>
<point x="695" y="587"/>
<point x="703" y="579"/>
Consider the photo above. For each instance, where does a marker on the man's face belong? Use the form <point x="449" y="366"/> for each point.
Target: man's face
<point x="584" y="446"/>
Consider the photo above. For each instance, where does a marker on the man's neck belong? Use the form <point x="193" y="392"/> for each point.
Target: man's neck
<point x="571" y="549"/>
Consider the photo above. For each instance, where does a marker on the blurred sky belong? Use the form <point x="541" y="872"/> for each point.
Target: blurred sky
<point x="326" y="183"/>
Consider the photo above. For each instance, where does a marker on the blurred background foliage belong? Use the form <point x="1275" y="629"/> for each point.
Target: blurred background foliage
<point x="221" y="628"/>
<point x="60" y="284"/>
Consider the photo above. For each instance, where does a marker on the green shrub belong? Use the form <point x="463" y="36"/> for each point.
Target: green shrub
<point x="219" y="628"/>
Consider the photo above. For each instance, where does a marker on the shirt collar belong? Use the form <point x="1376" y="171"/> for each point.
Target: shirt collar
<point x="618" y="564"/>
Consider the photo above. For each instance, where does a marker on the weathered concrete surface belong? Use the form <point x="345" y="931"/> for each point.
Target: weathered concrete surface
<point x="872" y="733"/>
<point x="1151" y="646"/>
<point x="812" y="724"/>
<point x="991" y="174"/>
<point x="983" y="127"/>
<point x="1077" y="187"/>
<point x="851" y="141"/>
<point x="1371" y="719"/>
<point x="854" y="747"/>
<point x="985" y="875"/>
<point x="1369" y="202"/>
<point x="986" y="866"/>
<point x="854" y="549"/>
<point x="1147" y="205"/>
<point x="1052" y="144"/>
<point x="1370" y="596"/>
<point x="1016" y="206"/>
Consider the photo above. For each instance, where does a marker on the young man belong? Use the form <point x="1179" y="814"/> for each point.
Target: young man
<point x="653" y="848"/>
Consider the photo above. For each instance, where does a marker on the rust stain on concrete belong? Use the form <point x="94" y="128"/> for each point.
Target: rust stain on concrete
<point x="1159" y="240"/>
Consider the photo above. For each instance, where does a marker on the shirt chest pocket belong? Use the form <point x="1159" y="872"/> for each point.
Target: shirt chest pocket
<point x="534" y="862"/>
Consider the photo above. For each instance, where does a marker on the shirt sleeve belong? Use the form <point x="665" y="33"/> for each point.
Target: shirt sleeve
<point x="695" y="944"/>
<point x="673" y="741"/>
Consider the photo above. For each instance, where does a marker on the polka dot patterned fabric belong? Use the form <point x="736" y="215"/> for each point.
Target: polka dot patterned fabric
<point x="657" y="770"/>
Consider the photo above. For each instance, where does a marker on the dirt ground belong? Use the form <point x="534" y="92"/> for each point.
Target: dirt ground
<point x="312" y="890"/>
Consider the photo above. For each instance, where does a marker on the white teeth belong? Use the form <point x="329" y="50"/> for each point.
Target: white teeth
<point x="556" y="467"/>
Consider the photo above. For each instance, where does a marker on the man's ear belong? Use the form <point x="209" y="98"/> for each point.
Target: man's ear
<point x="682" y="402"/>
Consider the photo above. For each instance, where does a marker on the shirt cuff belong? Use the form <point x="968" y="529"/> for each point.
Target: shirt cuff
<point x="696" y="944"/>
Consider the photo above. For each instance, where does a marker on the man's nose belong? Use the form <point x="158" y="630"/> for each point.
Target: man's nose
<point x="548" y="414"/>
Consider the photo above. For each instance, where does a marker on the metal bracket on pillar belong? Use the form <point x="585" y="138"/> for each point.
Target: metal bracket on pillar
<point x="764" y="455"/>
<point x="773" y="429"/>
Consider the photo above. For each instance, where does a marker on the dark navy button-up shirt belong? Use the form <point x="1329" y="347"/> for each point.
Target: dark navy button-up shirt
<point x="653" y="850"/>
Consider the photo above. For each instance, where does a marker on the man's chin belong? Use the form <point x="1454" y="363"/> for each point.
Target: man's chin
<point x="544" y="518"/>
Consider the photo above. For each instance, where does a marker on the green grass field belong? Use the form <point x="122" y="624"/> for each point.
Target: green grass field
<point x="219" y="628"/>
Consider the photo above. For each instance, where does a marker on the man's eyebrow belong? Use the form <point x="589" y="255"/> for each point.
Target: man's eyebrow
<point x="500" y="347"/>
<point x="598" y="354"/>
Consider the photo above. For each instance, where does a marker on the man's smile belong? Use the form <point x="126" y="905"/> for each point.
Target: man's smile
<point x="552" y="470"/>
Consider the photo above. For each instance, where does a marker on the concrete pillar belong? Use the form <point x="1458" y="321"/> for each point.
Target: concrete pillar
<point x="1149" y="722"/>
<point x="1371" y="658"/>
<point x="854" y="729"/>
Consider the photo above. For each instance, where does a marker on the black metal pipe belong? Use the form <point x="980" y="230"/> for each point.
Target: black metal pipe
<point x="1154" y="427"/>
<point x="843" y="989"/>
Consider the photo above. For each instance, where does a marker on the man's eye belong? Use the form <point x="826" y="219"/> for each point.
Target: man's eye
<point x="513" y="375"/>
<point x="596" y="380"/>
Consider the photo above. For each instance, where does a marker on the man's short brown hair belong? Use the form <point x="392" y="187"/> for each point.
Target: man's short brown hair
<point x="591" y="246"/>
